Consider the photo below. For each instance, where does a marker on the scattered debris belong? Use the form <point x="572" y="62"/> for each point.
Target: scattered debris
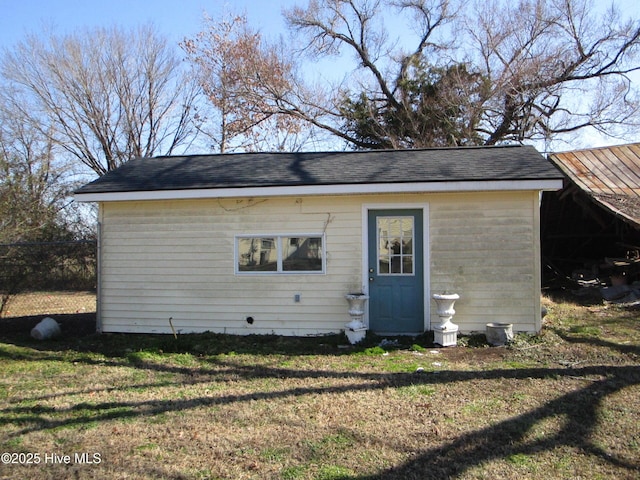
<point x="613" y="280"/>
<point x="623" y="294"/>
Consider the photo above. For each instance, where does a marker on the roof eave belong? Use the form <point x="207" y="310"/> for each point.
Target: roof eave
<point x="334" y="189"/>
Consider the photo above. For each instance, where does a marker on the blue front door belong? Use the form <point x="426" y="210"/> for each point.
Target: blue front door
<point x="396" y="272"/>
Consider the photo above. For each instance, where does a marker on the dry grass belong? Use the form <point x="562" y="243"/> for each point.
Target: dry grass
<point x="49" y="303"/>
<point x="563" y="404"/>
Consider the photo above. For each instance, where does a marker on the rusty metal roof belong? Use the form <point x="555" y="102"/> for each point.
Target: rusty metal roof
<point x="609" y="175"/>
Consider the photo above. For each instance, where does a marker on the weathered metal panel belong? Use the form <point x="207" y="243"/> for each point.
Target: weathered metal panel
<point x="610" y="175"/>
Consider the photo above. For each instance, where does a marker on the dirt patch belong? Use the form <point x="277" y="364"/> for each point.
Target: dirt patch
<point x="478" y="355"/>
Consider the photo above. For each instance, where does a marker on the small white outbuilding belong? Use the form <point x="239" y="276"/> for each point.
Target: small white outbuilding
<point x="271" y="242"/>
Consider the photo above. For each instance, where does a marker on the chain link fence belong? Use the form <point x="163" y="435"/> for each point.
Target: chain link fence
<point x="47" y="278"/>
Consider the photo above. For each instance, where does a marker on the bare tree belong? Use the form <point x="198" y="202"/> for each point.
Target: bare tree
<point x="35" y="185"/>
<point x="33" y="188"/>
<point x="555" y="67"/>
<point x="104" y="95"/>
<point x="501" y="71"/>
<point x="243" y="77"/>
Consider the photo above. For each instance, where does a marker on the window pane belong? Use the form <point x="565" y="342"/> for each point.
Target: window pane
<point x="407" y="246"/>
<point x="383" y="266"/>
<point x="257" y="255"/>
<point x="407" y="265"/>
<point x="302" y="254"/>
<point x="384" y="245"/>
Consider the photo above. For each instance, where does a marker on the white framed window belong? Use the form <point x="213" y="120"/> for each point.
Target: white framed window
<point x="280" y="253"/>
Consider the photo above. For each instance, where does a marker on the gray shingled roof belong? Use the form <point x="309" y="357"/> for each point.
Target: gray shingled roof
<point x="328" y="168"/>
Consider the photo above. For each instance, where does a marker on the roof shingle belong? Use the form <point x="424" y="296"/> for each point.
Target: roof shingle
<point x="241" y="170"/>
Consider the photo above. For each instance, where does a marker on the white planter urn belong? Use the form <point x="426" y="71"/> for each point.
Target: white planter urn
<point x="446" y="333"/>
<point x="356" y="330"/>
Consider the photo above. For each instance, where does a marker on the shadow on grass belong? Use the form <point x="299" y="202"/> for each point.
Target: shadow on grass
<point x="73" y="324"/>
<point x="627" y="349"/>
<point x="507" y="438"/>
<point x="580" y="409"/>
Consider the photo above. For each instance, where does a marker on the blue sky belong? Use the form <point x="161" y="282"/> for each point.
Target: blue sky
<point x="175" y="18"/>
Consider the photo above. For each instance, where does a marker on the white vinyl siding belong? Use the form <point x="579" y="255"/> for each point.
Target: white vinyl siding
<point x="485" y="247"/>
<point x="175" y="259"/>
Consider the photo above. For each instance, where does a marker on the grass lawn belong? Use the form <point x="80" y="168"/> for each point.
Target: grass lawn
<point x="564" y="404"/>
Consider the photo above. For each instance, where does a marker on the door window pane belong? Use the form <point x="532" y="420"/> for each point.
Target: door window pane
<point x="395" y="245"/>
